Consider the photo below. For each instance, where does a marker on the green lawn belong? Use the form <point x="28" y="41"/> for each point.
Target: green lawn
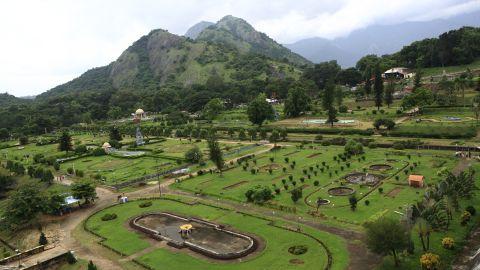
<point x="235" y="182"/>
<point x="439" y="70"/>
<point x="274" y="256"/>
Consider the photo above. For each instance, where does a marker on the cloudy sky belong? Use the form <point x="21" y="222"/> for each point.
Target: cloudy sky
<point x="46" y="43"/>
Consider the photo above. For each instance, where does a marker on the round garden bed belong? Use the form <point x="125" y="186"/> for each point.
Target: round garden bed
<point x="298" y="249"/>
<point x="323" y="202"/>
<point x="380" y="167"/>
<point x="363" y="178"/>
<point x="341" y="191"/>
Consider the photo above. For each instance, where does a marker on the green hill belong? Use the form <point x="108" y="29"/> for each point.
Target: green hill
<point x="237" y="33"/>
<point x="161" y="58"/>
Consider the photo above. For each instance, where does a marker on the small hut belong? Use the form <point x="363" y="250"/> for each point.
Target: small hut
<point x="416" y="180"/>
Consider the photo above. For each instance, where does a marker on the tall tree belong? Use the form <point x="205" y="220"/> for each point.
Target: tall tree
<point x="322" y="73"/>
<point x="328" y="101"/>
<point x="84" y="190"/>
<point x="114" y="134"/>
<point x="213" y="108"/>
<point x="23" y="206"/>
<point x="297" y="102"/>
<point x="4" y="134"/>
<point x="476" y="106"/>
<point x="387" y="236"/>
<point x="65" y="143"/>
<point x="417" y="79"/>
<point x="368" y="81"/>
<point x="216" y="154"/>
<point x="389" y="93"/>
<point x="259" y="110"/>
<point x="274" y="137"/>
<point x="378" y="87"/>
<point x="338" y="95"/>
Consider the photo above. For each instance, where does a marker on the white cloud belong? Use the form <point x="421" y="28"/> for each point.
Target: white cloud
<point x="48" y="42"/>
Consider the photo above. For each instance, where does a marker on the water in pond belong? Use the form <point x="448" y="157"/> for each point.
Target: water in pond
<point x="323" y="121"/>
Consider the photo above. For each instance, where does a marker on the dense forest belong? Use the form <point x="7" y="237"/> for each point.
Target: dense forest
<point x="455" y="47"/>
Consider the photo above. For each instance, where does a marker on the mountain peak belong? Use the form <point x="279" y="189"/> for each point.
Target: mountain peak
<point x="197" y="28"/>
<point x="238" y="33"/>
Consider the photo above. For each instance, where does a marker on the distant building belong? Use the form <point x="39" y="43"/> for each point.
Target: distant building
<point x="415" y="180"/>
<point x="398" y="73"/>
<point x="272" y="101"/>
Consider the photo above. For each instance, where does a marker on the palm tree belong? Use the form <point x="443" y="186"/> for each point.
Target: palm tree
<point x="423" y="229"/>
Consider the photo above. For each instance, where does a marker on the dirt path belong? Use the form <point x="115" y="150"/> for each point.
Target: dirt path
<point x="462" y="165"/>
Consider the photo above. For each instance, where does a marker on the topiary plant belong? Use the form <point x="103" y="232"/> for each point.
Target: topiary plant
<point x="448" y="243"/>
<point x="429" y="261"/>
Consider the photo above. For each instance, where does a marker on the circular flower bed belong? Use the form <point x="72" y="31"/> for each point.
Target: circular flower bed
<point x="363" y="178"/>
<point x="341" y="191"/>
<point x="298" y="250"/>
<point x="322" y="202"/>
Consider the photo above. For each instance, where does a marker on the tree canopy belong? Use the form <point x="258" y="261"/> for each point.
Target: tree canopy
<point x="259" y="110"/>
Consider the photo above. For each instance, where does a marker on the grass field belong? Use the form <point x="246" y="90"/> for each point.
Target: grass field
<point x="274" y="256"/>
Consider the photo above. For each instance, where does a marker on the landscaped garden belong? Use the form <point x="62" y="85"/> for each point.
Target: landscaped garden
<point x="377" y="179"/>
<point x="279" y="246"/>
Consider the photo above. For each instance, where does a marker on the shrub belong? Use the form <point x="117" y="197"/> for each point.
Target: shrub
<point x="145" y="204"/>
<point x="448" y="243"/>
<point x="471" y="210"/>
<point x="429" y="261"/>
<point x="302" y="179"/>
<point x="343" y="109"/>
<point x="353" y="148"/>
<point x="98" y="152"/>
<point x="80" y="149"/>
<point x="108" y="217"/>
<point x="70" y="258"/>
<point x="194" y="155"/>
<point x="252" y="171"/>
<point x="298" y="250"/>
<point x="387" y="123"/>
<point x="380" y="190"/>
<point x="70" y="170"/>
<point x="79" y="173"/>
<point x="316" y="183"/>
<point x="43" y="239"/>
<point x="284" y="169"/>
<point x="270" y="171"/>
<point x="259" y="194"/>
<point x="465" y="218"/>
<point x="367" y="202"/>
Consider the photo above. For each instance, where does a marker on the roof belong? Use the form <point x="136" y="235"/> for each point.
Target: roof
<point x="397" y="70"/>
<point x="414" y="177"/>
<point x="139" y="111"/>
<point x="106" y="145"/>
